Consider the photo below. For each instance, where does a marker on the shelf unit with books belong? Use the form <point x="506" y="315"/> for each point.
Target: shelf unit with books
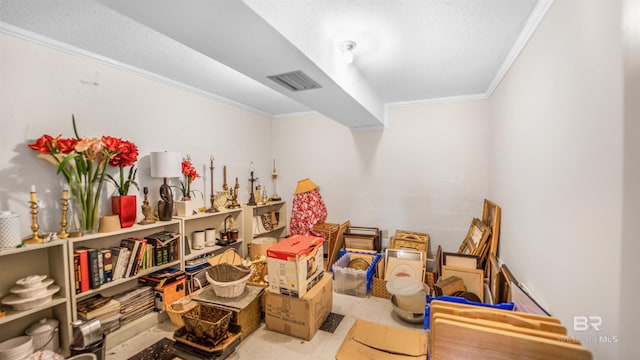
<point x="48" y="259"/>
<point x="100" y="241"/>
<point x="254" y="226"/>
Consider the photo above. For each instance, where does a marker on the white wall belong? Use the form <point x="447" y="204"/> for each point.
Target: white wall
<point x="40" y="88"/>
<point x="427" y="171"/>
<point x="556" y="166"/>
<point x="630" y="292"/>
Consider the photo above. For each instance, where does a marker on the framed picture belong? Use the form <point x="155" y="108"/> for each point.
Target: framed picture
<point x="524" y="302"/>
<point x="461" y="260"/>
<point x="410" y="244"/>
<point x="412" y="235"/>
<point x="494" y="283"/>
<point x="473" y="278"/>
<point x="404" y="263"/>
<point x="475" y="241"/>
<point x="491" y="218"/>
<point x="506" y="280"/>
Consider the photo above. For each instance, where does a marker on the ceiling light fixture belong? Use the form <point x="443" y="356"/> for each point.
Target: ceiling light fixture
<point x="347" y="50"/>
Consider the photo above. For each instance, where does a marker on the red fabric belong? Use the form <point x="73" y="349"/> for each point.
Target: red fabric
<point x="307" y="211"/>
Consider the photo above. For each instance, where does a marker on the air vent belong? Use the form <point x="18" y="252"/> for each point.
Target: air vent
<point x="295" y="81"/>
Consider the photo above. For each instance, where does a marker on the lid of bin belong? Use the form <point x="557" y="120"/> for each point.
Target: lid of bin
<point x="404" y="285"/>
<point x="7" y="214"/>
<point x="42" y="326"/>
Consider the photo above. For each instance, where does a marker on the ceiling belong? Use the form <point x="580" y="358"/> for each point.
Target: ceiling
<point x="406" y="50"/>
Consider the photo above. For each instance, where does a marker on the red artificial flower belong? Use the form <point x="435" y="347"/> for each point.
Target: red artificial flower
<point x="45" y="144"/>
<point x="189" y="170"/>
<point x="66" y="146"/>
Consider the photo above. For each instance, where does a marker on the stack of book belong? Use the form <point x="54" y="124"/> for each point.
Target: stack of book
<point x="135" y="303"/>
<point x="105" y="309"/>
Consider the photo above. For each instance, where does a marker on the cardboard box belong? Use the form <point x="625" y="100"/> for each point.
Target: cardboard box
<point x="295" y="264"/>
<point x="169" y="293"/>
<point x="367" y="340"/>
<point x="299" y="317"/>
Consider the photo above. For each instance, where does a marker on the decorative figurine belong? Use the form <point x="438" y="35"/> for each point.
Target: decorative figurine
<point x="147" y="211"/>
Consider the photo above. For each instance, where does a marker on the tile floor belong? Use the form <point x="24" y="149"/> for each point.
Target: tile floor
<point x="268" y="345"/>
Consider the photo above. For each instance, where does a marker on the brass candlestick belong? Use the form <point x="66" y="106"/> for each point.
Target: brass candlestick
<point x="62" y="234"/>
<point x="212" y="209"/>
<point x="35" y="237"/>
<point x="252" y="197"/>
<point x="274" y="177"/>
<point x="233" y="194"/>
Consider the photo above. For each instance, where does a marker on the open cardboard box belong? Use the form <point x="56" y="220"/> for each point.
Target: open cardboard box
<point x="367" y="340"/>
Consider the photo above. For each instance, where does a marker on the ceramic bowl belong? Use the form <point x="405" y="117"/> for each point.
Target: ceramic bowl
<point x="16" y="348"/>
<point x="31" y="280"/>
<point x="407" y="315"/>
<point x="20" y="304"/>
<point x="32" y="291"/>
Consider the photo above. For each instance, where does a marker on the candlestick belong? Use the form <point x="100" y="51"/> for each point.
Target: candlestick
<point x="212" y="209"/>
<point x="62" y="234"/>
<point x="35" y="238"/>
<point x="225" y="187"/>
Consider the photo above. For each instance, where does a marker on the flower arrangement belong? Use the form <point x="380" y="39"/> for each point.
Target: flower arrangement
<point x="127" y="155"/>
<point x="83" y="162"/>
<point x="189" y="172"/>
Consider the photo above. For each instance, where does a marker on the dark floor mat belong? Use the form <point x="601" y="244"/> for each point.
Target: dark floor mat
<point x="331" y="323"/>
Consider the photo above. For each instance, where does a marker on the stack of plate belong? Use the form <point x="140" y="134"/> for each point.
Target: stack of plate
<point x="31" y="292"/>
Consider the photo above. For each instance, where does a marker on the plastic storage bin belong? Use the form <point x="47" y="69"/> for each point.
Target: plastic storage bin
<point x="460" y="300"/>
<point x="351" y="281"/>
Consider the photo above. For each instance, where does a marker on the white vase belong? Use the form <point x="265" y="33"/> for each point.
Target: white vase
<point x="184" y="207"/>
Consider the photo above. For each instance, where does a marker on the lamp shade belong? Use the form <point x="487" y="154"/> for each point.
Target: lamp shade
<point x="166" y="164"/>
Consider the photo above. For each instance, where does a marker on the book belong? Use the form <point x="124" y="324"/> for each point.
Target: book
<point x="123" y="263"/>
<point x="94" y="270"/>
<point x="142" y="245"/>
<point x="98" y="307"/>
<point x="83" y="259"/>
<point x="107" y="259"/>
<point x="162" y="238"/>
<point x="76" y="272"/>
<point x="100" y="266"/>
<point x="133" y="247"/>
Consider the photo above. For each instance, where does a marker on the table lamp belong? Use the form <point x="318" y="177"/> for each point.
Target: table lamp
<point x="165" y="165"/>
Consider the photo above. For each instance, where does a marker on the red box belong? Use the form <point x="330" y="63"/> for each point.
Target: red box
<point x="295" y="264"/>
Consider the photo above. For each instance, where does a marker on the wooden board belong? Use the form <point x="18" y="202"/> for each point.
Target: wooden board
<point x="460" y="341"/>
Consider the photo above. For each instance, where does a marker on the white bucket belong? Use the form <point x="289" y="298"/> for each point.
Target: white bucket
<point x="45" y="334"/>
<point x="9" y="230"/>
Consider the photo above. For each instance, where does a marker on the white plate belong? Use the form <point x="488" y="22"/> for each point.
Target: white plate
<point x="19" y="303"/>
<point x="32" y="292"/>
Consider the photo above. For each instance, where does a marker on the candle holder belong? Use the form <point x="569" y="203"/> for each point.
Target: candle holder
<point x="274" y="177"/>
<point x="62" y="234"/>
<point x="35" y="238"/>
<point x="252" y="197"/>
<point x="233" y="196"/>
<point x="212" y="209"/>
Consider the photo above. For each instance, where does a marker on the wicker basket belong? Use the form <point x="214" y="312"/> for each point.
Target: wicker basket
<point x="207" y="323"/>
<point x="379" y="288"/>
<point x="226" y="277"/>
<point x="176" y="309"/>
